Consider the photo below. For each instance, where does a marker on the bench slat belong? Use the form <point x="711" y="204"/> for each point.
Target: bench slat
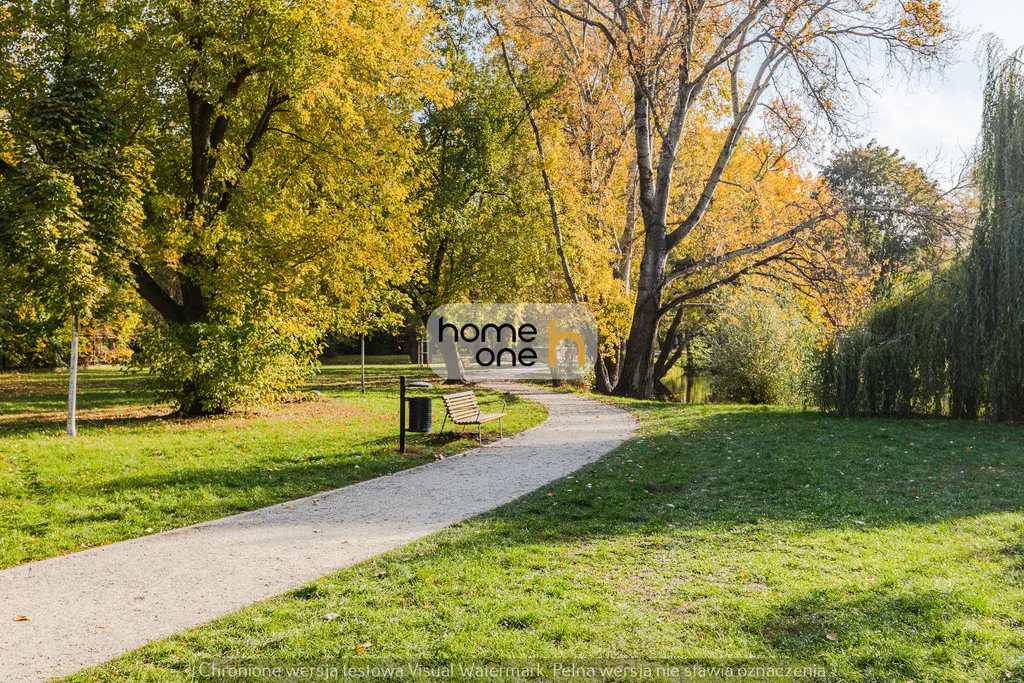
<point x="462" y="404"/>
<point x="461" y="401"/>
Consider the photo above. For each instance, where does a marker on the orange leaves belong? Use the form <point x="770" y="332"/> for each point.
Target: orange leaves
<point x="922" y="20"/>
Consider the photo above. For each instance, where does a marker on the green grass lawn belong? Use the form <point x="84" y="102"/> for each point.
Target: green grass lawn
<point x="135" y="470"/>
<point x="878" y="550"/>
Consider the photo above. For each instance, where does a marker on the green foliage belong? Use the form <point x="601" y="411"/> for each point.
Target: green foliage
<point x="896" y="363"/>
<point x="69" y="209"/>
<point x="956" y="346"/>
<point x="207" y="368"/>
<point x="482" y="231"/>
<point x="46" y="246"/>
<point x="27" y="332"/>
<point x="757" y="352"/>
<point x="897" y="213"/>
<point x="997" y="254"/>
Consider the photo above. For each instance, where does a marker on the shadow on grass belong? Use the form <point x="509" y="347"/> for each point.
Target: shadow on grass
<point x="707" y="481"/>
<point x="880" y="629"/>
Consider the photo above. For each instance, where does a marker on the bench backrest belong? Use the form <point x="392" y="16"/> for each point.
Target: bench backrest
<point x="462" y="406"/>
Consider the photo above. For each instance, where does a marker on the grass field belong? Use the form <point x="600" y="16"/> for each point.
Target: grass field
<point x="875" y="550"/>
<point x="135" y="470"/>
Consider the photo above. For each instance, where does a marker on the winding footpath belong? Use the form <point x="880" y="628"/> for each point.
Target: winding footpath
<point x="91" y="606"/>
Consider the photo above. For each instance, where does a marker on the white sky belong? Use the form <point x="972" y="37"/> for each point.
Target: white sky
<point x="935" y="122"/>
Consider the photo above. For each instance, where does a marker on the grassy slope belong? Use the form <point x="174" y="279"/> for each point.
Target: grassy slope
<point x="723" y="534"/>
<point x="133" y="470"/>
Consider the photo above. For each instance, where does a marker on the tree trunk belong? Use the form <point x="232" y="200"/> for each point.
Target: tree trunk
<point x="636" y="379"/>
<point x="454" y="371"/>
<point x="362" y="363"/>
<point x="602" y="380"/>
<point x="691" y="372"/>
<point x="73" y="379"/>
<point x="411" y="338"/>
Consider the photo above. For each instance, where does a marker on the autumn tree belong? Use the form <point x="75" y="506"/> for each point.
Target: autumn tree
<point x="478" y="227"/>
<point x="696" y="68"/>
<point x="575" y="96"/>
<point x="481" y="230"/>
<point x="46" y="248"/>
<point x="280" y="141"/>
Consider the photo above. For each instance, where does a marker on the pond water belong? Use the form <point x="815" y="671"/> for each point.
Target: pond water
<point x="675" y="381"/>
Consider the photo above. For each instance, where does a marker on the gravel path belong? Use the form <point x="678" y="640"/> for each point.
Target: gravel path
<point x="91" y="606"/>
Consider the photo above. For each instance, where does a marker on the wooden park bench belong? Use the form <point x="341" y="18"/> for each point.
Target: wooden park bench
<point x="464" y="409"/>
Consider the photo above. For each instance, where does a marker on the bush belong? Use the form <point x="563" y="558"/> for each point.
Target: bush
<point x="207" y="368"/>
<point x="758" y="352"/>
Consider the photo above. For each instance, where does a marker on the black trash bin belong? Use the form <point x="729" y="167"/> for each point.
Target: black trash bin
<point x="421" y="412"/>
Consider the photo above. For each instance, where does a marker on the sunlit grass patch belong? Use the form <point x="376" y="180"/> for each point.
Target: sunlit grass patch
<point x="135" y="469"/>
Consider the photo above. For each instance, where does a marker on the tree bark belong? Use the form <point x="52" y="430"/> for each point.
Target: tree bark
<point x="454" y="371"/>
<point x="636" y="378"/>
<point x="602" y="380"/>
<point x="411" y="338"/>
<point x="691" y="372"/>
<point x="73" y="379"/>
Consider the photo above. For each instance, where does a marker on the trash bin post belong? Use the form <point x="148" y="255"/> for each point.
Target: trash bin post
<point x="401" y="413"/>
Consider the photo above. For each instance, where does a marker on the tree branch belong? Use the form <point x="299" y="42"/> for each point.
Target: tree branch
<point x="157" y="297"/>
<point x="8" y="170"/>
<point x="729" y="279"/>
<point x="570" y="283"/>
<point x="689" y="266"/>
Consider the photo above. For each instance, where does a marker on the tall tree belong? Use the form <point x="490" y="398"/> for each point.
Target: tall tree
<point x="779" y="55"/>
<point x="281" y="142"/>
<point x="481" y="232"/>
<point x="43" y="235"/>
<point x="581" y="133"/>
<point x="70" y="200"/>
<point x="895" y="211"/>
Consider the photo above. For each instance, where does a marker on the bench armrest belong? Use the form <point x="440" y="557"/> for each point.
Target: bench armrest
<point x="495" y="400"/>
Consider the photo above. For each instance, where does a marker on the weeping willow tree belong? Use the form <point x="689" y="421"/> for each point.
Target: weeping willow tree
<point x="955" y="345"/>
<point x="997" y="283"/>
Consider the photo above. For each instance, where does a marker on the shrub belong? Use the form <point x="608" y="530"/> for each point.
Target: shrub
<point x="758" y="352"/>
<point x="208" y="368"/>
